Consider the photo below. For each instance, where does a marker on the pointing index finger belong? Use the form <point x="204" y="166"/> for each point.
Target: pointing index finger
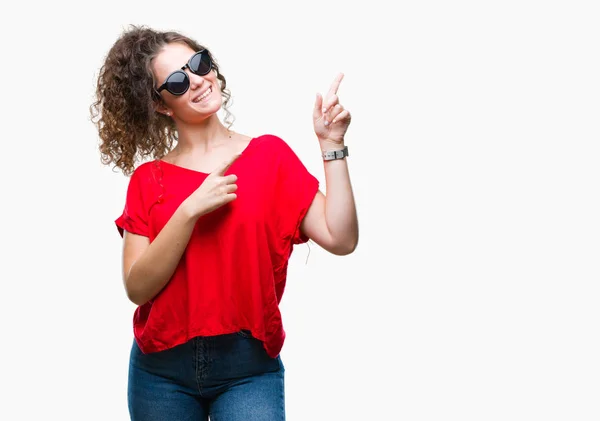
<point x="335" y="85"/>
<point x="226" y="164"/>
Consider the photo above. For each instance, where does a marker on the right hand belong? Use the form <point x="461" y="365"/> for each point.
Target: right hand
<point x="215" y="191"/>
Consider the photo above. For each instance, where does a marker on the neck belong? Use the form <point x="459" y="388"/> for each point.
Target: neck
<point x="203" y="136"/>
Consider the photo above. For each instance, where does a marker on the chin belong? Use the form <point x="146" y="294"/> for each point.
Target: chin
<point x="213" y="109"/>
<point x="215" y="106"/>
<point x="199" y="115"/>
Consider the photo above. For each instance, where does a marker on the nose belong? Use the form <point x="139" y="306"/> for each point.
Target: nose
<point x="195" y="80"/>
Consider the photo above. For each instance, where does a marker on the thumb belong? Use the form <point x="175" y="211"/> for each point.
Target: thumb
<point x="318" y="106"/>
<point x="220" y="170"/>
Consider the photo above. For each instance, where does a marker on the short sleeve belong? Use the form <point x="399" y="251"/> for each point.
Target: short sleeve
<point x="295" y="192"/>
<point x="134" y="218"/>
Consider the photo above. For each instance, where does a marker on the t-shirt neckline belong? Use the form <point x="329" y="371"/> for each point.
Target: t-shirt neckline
<point x="244" y="151"/>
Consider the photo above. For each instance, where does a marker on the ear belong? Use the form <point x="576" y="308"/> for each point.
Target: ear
<point x="163" y="109"/>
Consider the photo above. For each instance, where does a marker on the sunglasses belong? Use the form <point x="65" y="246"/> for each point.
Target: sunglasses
<point x="178" y="82"/>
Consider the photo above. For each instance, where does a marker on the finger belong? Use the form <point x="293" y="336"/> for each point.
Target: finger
<point x="225" y="165"/>
<point x="335" y="85"/>
<point x="334" y="112"/>
<point x="330" y="102"/>
<point x="318" y="105"/>
<point x="230" y="188"/>
<point x="231" y="178"/>
<point x="229" y="198"/>
<point x="343" y="116"/>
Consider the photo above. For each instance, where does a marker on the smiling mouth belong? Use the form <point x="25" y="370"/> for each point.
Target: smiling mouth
<point x="203" y="96"/>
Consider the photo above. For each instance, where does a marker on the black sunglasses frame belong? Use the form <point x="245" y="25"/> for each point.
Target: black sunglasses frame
<point x="186" y="77"/>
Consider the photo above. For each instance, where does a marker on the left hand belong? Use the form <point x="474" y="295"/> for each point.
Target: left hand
<point x="330" y="118"/>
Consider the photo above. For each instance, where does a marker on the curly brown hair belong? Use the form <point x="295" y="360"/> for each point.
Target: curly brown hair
<point x="125" y="107"/>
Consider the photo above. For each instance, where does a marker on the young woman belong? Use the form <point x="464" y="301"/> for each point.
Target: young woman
<point x="208" y="227"/>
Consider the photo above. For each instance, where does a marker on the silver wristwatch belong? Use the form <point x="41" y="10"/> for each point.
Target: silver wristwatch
<point x="339" y="154"/>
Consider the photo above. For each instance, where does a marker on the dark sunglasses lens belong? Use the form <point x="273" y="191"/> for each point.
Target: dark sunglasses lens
<point x="178" y="83"/>
<point x="200" y="63"/>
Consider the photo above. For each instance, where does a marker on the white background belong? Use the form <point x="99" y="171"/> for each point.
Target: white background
<point x="473" y="294"/>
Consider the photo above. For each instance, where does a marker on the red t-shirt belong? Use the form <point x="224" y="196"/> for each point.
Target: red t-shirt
<point x="233" y="271"/>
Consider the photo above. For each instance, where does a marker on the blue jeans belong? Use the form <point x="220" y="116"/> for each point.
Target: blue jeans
<point x="227" y="377"/>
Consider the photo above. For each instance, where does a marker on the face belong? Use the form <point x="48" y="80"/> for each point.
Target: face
<point x="202" y="99"/>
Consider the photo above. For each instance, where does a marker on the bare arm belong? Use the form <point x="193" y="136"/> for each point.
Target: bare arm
<point x="148" y="267"/>
<point x="331" y="220"/>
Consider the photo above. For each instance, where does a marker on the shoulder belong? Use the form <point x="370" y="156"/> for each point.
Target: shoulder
<point x="278" y="154"/>
<point x="142" y="168"/>
<point x="273" y="144"/>
<point x="270" y="139"/>
<point x="145" y="175"/>
<point x="145" y="169"/>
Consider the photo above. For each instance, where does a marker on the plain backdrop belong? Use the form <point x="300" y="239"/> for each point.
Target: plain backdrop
<point x="473" y="294"/>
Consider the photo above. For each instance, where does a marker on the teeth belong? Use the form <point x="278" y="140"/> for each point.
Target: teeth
<point x="204" y="95"/>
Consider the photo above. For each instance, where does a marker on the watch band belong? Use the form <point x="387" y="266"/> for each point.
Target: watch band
<point x="338" y="154"/>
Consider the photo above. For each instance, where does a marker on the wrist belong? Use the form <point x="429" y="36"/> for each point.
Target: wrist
<point x="335" y="154"/>
<point x="189" y="212"/>
<point x="331" y="145"/>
